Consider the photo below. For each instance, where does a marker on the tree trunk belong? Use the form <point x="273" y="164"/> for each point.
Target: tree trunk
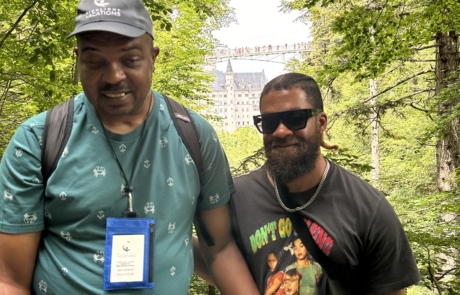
<point x="211" y="290"/>
<point x="375" y="173"/>
<point x="448" y="146"/>
<point x="375" y="151"/>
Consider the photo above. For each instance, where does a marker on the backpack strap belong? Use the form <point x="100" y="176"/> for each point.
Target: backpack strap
<point x="58" y="125"/>
<point x="340" y="272"/>
<point x="186" y="130"/>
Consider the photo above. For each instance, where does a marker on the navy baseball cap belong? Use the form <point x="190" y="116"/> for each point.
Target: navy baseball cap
<point x="124" y="17"/>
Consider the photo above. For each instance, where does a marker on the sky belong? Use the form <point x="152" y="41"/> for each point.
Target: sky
<point x="260" y="23"/>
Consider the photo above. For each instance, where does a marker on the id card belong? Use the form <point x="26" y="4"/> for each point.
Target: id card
<point x="128" y="255"/>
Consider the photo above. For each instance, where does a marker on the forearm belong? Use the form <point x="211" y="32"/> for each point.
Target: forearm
<point x="200" y="267"/>
<point x="17" y="262"/>
<point x="9" y="289"/>
<point x="230" y="272"/>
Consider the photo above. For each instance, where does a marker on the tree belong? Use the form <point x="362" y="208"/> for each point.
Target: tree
<point x="401" y="29"/>
<point x="243" y="149"/>
<point x="37" y="61"/>
<point x="412" y="51"/>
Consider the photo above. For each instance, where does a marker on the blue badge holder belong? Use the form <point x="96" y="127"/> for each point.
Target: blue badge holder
<point x="139" y="229"/>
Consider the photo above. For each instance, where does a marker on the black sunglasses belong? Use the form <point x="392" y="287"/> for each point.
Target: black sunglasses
<point x="294" y="120"/>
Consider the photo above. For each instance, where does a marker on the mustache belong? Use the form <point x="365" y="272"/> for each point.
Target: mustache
<point x="115" y="87"/>
<point x="281" y="141"/>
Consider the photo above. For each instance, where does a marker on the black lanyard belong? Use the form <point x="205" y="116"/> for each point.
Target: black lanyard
<point x="128" y="189"/>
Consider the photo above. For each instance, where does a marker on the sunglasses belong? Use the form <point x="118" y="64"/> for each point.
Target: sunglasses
<point x="294" y="120"/>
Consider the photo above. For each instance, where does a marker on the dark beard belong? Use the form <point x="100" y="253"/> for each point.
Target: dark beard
<point x="290" y="166"/>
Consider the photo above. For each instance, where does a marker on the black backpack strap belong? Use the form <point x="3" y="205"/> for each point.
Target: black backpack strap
<point x="336" y="271"/>
<point x="186" y="130"/>
<point x="58" y="125"/>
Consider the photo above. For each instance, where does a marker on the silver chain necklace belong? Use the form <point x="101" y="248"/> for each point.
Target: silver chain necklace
<point x="311" y="199"/>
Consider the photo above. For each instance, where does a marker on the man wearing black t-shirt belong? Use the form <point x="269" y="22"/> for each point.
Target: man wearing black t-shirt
<point x="351" y="222"/>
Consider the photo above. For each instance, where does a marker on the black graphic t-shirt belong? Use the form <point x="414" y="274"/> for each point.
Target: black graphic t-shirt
<point x="351" y="222"/>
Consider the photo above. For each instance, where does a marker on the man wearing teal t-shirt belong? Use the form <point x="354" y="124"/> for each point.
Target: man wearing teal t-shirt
<point x="123" y="142"/>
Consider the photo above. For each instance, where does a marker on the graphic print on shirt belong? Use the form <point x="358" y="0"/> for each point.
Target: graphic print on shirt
<point x="48" y="214"/>
<point x="289" y="269"/>
<point x="122" y="148"/>
<point x="100" y="214"/>
<point x="63" y="196"/>
<point x="149" y="207"/>
<point x="30" y="218"/>
<point x="172" y="271"/>
<point x="163" y="142"/>
<point x="94" y="130"/>
<point x="65" y="271"/>
<point x="65" y="152"/>
<point x="99" y="171"/>
<point x="98" y="257"/>
<point x="8" y="195"/>
<point x="122" y="189"/>
<point x="66" y="236"/>
<point x="147" y="164"/>
<point x="171" y="227"/>
<point x="170" y="181"/>
<point x="18" y="153"/>
<point x="188" y="159"/>
<point x="214" y="199"/>
<point x="42" y="286"/>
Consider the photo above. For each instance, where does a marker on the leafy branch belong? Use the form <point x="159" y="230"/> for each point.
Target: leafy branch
<point x="23" y="14"/>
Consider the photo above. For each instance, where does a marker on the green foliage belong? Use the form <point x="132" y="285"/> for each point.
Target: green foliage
<point x="375" y="34"/>
<point x="37" y="60"/>
<point x="198" y="286"/>
<point x="179" y="70"/>
<point x="185" y="38"/>
<point x="432" y="222"/>
<point x="243" y="148"/>
<point x="392" y="42"/>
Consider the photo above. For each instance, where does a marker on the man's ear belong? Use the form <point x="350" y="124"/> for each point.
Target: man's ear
<point x="322" y="121"/>
<point x="75" y="74"/>
<point x="155" y="52"/>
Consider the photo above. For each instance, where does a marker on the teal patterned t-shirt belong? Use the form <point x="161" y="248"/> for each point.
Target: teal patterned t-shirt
<point x="87" y="188"/>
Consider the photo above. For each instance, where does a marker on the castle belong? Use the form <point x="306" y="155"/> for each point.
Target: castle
<point x="236" y="97"/>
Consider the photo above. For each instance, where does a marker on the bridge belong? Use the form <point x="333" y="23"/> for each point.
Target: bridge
<point x="268" y="53"/>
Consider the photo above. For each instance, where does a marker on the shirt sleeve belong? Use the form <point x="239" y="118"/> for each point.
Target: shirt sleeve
<point x="216" y="180"/>
<point x="21" y="181"/>
<point x="388" y="261"/>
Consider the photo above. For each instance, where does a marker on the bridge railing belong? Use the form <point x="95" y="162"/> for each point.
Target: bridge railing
<point x="261" y="50"/>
